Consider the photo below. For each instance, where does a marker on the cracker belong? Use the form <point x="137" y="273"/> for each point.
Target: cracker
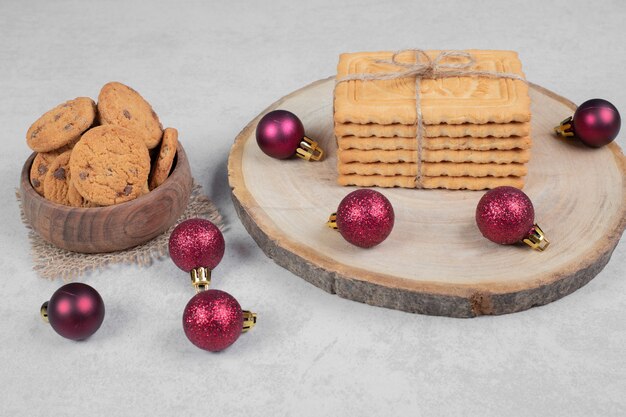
<point x="449" y="169"/>
<point x="450" y="183"/>
<point x="479" y="157"/>
<point x="464" y="143"/>
<point x="452" y="100"/>
<point x="498" y="130"/>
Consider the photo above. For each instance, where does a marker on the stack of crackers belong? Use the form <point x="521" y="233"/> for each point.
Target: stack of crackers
<point x="476" y="129"/>
<point x="92" y="155"/>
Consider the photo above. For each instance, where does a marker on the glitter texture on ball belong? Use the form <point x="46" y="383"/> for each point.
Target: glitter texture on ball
<point x="196" y="243"/>
<point x="505" y="215"/>
<point x="213" y="320"/>
<point x="365" y="218"/>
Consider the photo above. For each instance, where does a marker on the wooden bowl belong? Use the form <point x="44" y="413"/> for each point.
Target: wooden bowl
<point x="112" y="228"/>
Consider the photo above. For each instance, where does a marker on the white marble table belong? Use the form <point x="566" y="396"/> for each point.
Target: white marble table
<point x="208" y="69"/>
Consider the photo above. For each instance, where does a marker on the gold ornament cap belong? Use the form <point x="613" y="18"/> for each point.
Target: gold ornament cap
<point x="309" y="150"/>
<point x="44" y="312"/>
<point x="565" y="128"/>
<point x="332" y="221"/>
<point x="200" y="278"/>
<point x="249" y="320"/>
<point x="536" y="239"/>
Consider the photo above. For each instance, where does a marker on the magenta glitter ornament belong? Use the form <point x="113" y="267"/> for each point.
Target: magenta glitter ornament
<point x="75" y="311"/>
<point x="364" y="218"/>
<point x="596" y="123"/>
<point x="213" y="320"/>
<point x="505" y="215"/>
<point x="280" y="134"/>
<point x="196" y="243"/>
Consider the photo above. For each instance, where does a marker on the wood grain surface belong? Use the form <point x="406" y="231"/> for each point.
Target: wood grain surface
<point x="112" y="228"/>
<point x="435" y="261"/>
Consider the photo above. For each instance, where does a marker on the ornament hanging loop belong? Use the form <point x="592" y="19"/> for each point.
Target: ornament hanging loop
<point x="249" y="320"/>
<point x="309" y="150"/>
<point x="536" y="239"/>
<point x="200" y="278"/>
<point x="332" y="221"/>
<point x="565" y="128"/>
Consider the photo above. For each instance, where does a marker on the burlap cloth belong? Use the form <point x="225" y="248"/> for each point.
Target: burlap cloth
<point x="51" y="262"/>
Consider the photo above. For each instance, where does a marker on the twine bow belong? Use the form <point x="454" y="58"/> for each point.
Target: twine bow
<point x="426" y="67"/>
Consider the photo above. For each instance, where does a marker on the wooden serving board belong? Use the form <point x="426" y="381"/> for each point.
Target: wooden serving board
<point x="435" y="261"/>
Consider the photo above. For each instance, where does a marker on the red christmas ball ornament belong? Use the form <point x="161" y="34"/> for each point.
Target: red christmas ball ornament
<point x="364" y="218"/>
<point x="505" y="215"/>
<point x="280" y="134"/>
<point x="75" y="311"/>
<point x="197" y="246"/>
<point x="213" y="320"/>
<point x="596" y="123"/>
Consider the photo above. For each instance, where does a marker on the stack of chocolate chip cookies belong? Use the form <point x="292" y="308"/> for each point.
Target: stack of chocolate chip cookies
<point x="476" y="129"/>
<point x="92" y="155"/>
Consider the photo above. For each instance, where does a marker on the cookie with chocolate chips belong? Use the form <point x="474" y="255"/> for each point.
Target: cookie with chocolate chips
<point x="41" y="165"/>
<point x="75" y="199"/>
<point x="122" y="106"/>
<point x="57" y="179"/>
<point x="165" y="160"/>
<point x="62" y="125"/>
<point x="110" y="165"/>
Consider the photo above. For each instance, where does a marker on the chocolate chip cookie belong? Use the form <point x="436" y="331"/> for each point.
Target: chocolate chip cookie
<point x="74" y="198"/>
<point x="41" y="164"/>
<point x="120" y="105"/>
<point x="57" y="179"/>
<point x="39" y="169"/>
<point x="110" y="165"/>
<point x="61" y="125"/>
<point x="165" y="159"/>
